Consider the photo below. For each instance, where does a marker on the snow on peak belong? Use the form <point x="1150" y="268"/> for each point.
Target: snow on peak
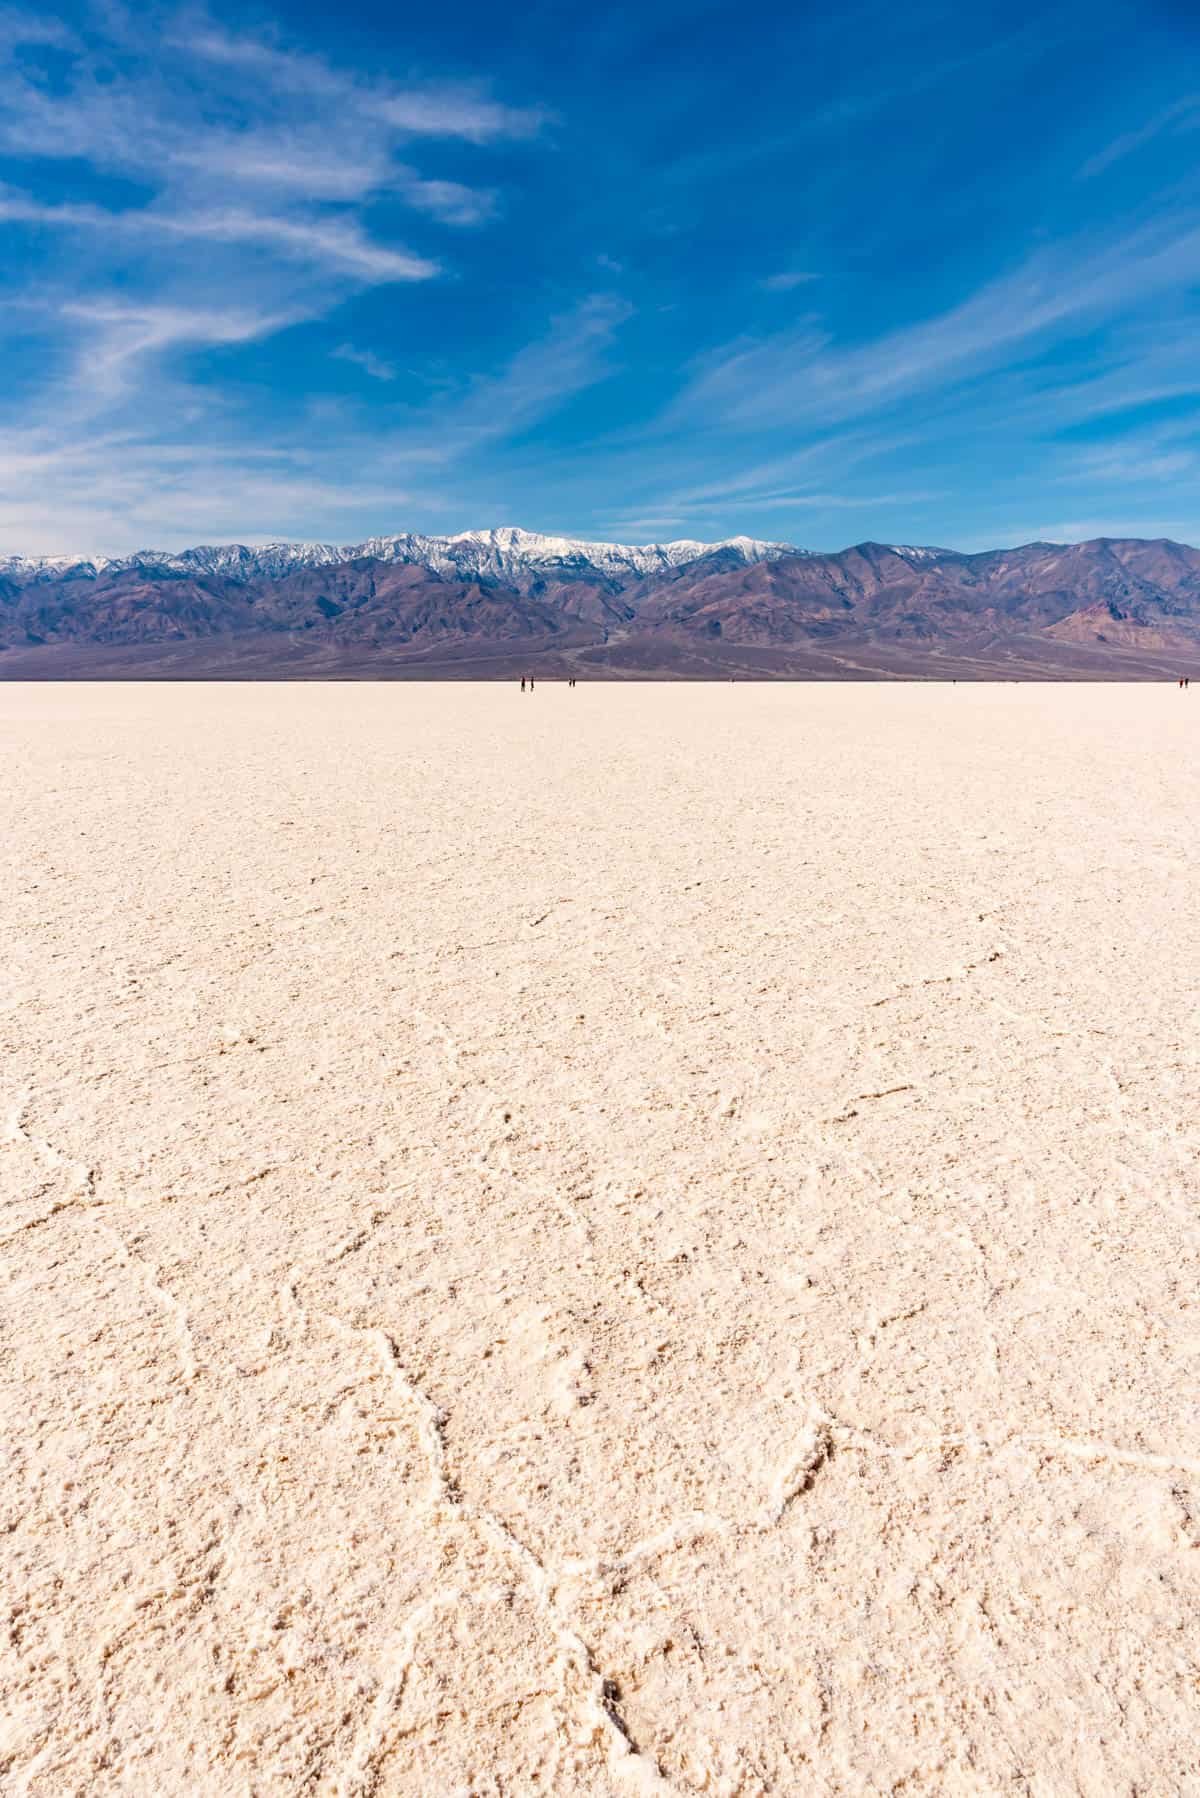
<point x="504" y="552"/>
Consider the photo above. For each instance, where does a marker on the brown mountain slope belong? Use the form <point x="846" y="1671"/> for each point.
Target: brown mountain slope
<point x="1119" y="606"/>
<point x="352" y="603"/>
<point x="875" y="592"/>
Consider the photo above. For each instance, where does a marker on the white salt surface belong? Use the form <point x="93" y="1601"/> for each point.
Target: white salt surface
<point x="629" y="1239"/>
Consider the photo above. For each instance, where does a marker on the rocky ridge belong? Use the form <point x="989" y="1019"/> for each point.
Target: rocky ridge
<point x="1120" y="605"/>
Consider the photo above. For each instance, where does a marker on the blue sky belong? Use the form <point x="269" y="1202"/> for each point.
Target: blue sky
<point x="918" y="272"/>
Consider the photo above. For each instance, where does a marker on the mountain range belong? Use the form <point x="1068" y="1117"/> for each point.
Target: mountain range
<point x="497" y="602"/>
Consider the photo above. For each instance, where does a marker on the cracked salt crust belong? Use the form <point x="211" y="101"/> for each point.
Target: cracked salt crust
<point x="677" y="1273"/>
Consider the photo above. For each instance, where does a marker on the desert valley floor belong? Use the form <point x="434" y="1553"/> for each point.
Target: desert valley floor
<point x="626" y="1239"/>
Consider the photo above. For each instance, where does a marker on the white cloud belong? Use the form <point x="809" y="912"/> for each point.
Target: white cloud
<point x="261" y="188"/>
<point x="787" y="280"/>
<point x="119" y="359"/>
<point x="174" y="470"/>
<point x="367" y="360"/>
<point x="450" y="112"/>
<point x="286" y="162"/>
<point x="1183" y="115"/>
<point x="543" y="376"/>
<point x="337" y="241"/>
<point x="426" y="110"/>
<point x="803" y="377"/>
<point x="450" y="202"/>
<point x="267" y="131"/>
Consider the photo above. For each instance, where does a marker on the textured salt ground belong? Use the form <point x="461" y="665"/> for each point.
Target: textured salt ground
<point x="628" y="1239"/>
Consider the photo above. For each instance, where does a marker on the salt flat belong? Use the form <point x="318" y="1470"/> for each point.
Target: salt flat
<point x="626" y="1239"/>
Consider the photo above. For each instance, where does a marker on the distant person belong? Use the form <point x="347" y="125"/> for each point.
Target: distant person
<point x="522" y="683"/>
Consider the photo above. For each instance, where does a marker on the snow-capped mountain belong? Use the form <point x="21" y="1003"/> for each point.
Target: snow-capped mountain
<point x="485" y="602"/>
<point x="505" y="553"/>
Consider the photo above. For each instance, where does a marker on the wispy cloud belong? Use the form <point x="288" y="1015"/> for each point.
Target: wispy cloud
<point x="282" y="166"/>
<point x="120" y="338"/>
<point x="1079" y="337"/>
<point x="429" y="110"/>
<point x="286" y="163"/>
<point x="120" y="493"/>
<point x="1182" y="115"/>
<point x="272" y="134"/>
<point x="253" y="287"/>
<point x="337" y="241"/>
<point x="450" y="202"/>
<point x="260" y="189"/>
<point x="787" y="280"/>
<point x="1086" y="530"/>
<point x="1158" y="456"/>
<point x="167" y="473"/>
<point x="376" y="366"/>
<point x="541" y="378"/>
<point x="803" y="375"/>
